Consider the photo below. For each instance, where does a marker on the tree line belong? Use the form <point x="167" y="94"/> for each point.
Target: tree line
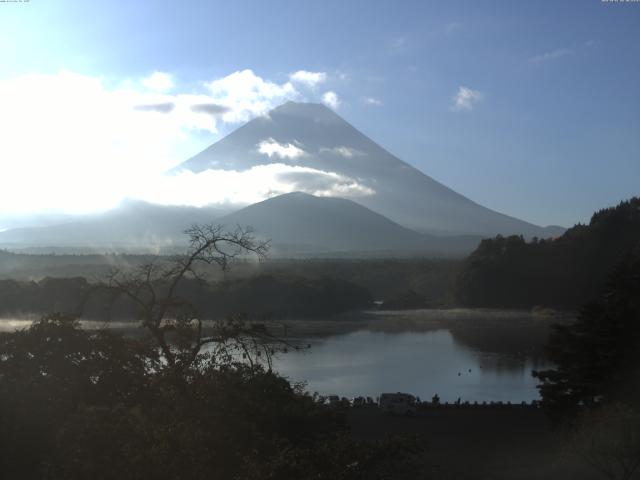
<point x="563" y="272"/>
<point x="274" y="296"/>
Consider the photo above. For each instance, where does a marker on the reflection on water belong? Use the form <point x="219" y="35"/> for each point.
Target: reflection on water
<point x="475" y="355"/>
<point x="13" y="324"/>
<point x="422" y="363"/>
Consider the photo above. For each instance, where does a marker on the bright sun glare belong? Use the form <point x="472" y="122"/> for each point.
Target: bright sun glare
<point x="74" y="143"/>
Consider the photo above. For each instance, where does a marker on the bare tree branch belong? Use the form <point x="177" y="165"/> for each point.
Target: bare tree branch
<point x="174" y="322"/>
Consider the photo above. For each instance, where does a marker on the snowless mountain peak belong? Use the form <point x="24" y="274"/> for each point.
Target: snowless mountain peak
<point x="323" y="148"/>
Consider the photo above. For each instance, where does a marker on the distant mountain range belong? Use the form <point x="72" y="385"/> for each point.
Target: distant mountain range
<point x="133" y="226"/>
<point x="390" y="208"/>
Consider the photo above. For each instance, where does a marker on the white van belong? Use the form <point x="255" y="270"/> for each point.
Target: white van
<point x="397" y="403"/>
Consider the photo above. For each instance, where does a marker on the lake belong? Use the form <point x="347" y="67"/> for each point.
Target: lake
<point x="475" y="355"/>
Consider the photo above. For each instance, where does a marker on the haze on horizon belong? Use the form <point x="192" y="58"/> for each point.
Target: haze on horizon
<point x="543" y="127"/>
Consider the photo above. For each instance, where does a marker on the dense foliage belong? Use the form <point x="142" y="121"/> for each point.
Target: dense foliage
<point x="563" y="272"/>
<point x="76" y="404"/>
<point x="598" y="356"/>
<point x="178" y="401"/>
<point x="278" y="296"/>
<point x="384" y="278"/>
<point x="261" y="295"/>
<point x="406" y="300"/>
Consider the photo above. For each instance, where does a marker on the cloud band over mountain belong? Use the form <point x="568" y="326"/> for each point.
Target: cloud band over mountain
<point x="216" y="186"/>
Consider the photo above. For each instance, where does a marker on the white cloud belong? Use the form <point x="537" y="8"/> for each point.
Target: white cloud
<point x="374" y="102"/>
<point x="465" y="99"/>
<point x="246" y="95"/>
<point x="346" y="152"/>
<point x="331" y="99"/>
<point x="249" y="186"/>
<point x="159" y="82"/>
<point x="76" y="143"/>
<point x="71" y="143"/>
<point x="272" y="148"/>
<point x="553" y="55"/>
<point x="310" y="79"/>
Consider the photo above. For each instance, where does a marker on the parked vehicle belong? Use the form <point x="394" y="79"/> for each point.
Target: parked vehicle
<point x="397" y="403"/>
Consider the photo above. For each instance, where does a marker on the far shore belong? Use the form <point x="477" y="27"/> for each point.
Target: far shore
<point x="377" y="320"/>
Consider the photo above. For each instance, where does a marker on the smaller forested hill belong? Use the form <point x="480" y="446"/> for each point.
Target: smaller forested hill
<point x="273" y="296"/>
<point x="562" y="272"/>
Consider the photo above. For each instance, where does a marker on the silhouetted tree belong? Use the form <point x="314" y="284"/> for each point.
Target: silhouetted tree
<point x="608" y="440"/>
<point x="48" y="371"/>
<point x="78" y="403"/>
<point x="597" y="358"/>
<point x="173" y="321"/>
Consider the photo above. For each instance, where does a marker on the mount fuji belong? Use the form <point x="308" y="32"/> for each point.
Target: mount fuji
<point x="335" y="159"/>
<point x="330" y="189"/>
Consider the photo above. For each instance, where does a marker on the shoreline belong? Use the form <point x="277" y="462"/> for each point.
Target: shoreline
<point x="422" y="319"/>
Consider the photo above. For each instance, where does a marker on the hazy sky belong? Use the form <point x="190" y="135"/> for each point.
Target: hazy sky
<point x="529" y="108"/>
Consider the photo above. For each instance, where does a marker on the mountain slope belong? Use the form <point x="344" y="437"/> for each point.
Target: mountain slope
<point x="328" y="143"/>
<point x="301" y="223"/>
<point x="298" y="224"/>
<point x="134" y="226"/>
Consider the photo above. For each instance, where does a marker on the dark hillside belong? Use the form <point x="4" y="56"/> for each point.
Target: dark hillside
<point x="562" y="272"/>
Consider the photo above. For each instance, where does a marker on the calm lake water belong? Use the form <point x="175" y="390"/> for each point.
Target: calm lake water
<point x="475" y="355"/>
